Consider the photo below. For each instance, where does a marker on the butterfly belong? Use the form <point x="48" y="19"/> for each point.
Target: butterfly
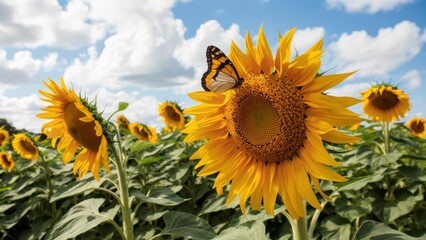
<point x="221" y="74"/>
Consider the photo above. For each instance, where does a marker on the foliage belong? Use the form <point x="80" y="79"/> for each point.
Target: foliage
<point x="384" y="196"/>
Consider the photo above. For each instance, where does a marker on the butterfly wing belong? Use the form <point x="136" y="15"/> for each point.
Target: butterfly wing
<point x="221" y="74"/>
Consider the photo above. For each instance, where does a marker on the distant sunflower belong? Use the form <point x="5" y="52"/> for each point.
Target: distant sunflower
<point x="122" y="121"/>
<point x="6" y="161"/>
<point x="417" y="126"/>
<point x="385" y="103"/>
<point x="24" y="146"/>
<point x="266" y="136"/>
<point x="76" y="126"/>
<point x="4" y="136"/>
<point x="143" y="132"/>
<point x="172" y="115"/>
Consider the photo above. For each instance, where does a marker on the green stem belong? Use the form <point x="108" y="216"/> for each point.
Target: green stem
<point x="117" y="228"/>
<point x="386" y="137"/>
<point x="124" y="195"/>
<point x="298" y="227"/>
<point x="314" y="220"/>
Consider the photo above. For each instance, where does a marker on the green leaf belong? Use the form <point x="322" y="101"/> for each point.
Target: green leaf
<point x="413" y="173"/>
<point x="12" y="219"/>
<point x="246" y="231"/>
<point x="216" y="203"/>
<point x="150" y="160"/>
<point x="352" y="209"/>
<point x="393" y="209"/>
<point x="335" y="227"/>
<point x="81" y="218"/>
<point x="140" y="146"/>
<point x="356" y="183"/>
<point x="378" y="231"/>
<point x="122" y="106"/>
<point x="186" y="225"/>
<point x="163" y="197"/>
<point x="80" y="187"/>
<point x="385" y="160"/>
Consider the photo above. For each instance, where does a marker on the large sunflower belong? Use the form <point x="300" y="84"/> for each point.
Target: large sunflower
<point x="172" y="115"/>
<point x="385" y="103"/>
<point x="6" y="161"/>
<point x="4" y="136"/>
<point x="266" y="136"/>
<point x="75" y="126"/>
<point x="143" y="132"/>
<point x="417" y="126"/>
<point x="24" y="146"/>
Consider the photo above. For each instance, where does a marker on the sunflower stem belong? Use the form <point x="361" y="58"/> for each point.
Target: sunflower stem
<point x="315" y="219"/>
<point x="299" y="228"/>
<point x="124" y="193"/>
<point x="386" y="137"/>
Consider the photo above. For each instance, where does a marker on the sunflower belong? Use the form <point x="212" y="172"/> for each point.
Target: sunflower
<point x="4" y="137"/>
<point x="143" y="132"/>
<point x="417" y="126"/>
<point x="385" y="103"/>
<point x="266" y="136"/>
<point x="75" y="125"/>
<point x="24" y="146"/>
<point x="6" y="161"/>
<point x="122" y="122"/>
<point x="172" y="115"/>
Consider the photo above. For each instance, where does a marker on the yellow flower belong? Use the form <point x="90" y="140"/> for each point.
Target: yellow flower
<point x="122" y="121"/>
<point x="6" y="161"/>
<point x="385" y="103"/>
<point x="172" y="115"/>
<point x="24" y="146"/>
<point x="143" y="132"/>
<point x="4" y="136"/>
<point x="266" y="136"/>
<point x="75" y="126"/>
<point x="417" y="126"/>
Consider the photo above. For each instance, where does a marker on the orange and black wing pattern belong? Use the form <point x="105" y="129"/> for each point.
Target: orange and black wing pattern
<point x="221" y="74"/>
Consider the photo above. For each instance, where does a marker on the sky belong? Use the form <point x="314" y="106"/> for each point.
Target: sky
<point x="145" y="52"/>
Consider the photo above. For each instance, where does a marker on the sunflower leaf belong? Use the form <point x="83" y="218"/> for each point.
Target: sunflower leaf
<point x="122" y="106"/>
<point x="246" y="231"/>
<point x="80" y="187"/>
<point x="81" y="218"/>
<point x="377" y="230"/>
<point x="163" y="197"/>
<point x="356" y="183"/>
<point x="187" y="225"/>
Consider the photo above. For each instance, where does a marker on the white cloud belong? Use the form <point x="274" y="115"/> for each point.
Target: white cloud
<point x="192" y="52"/>
<point x="412" y="79"/>
<point x="376" y="55"/>
<point x="368" y="6"/>
<point x="21" y="112"/>
<point x="22" y="67"/>
<point x="45" y="23"/>
<point x="351" y="89"/>
<point x="305" y="38"/>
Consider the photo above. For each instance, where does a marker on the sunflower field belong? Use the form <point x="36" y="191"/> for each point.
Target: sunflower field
<point x="265" y="154"/>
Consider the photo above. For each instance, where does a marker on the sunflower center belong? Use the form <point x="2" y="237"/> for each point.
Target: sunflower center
<point x="82" y="132"/>
<point x="28" y="147"/>
<point x="418" y="127"/>
<point x="265" y="117"/>
<point x="172" y="114"/>
<point x="384" y="101"/>
<point x="5" y="160"/>
<point x="2" y="137"/>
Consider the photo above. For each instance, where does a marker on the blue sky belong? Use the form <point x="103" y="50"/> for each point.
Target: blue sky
<point x="145" y="52"/>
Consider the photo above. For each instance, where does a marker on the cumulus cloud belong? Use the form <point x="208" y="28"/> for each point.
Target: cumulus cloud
<point x="367" y="6"/>
<point x="412" y="78"/>
<point x="305" y="38"/>
<point x="376" y="55"/>
<point x="22" y="66"/>
<point x="21" y="111"/>
<point x="33" y="24"/>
